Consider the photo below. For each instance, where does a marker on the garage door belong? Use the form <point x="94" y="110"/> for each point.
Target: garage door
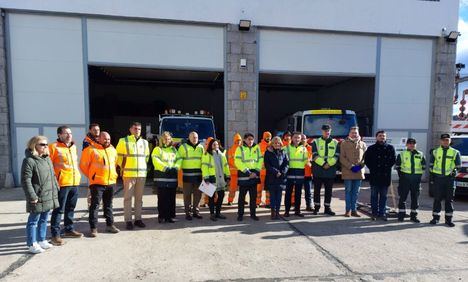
<point x="313" y="52"/>
<point x="162" y="45"/>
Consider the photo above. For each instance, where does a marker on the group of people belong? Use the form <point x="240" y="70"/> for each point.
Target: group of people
<point x="50" y="176"/>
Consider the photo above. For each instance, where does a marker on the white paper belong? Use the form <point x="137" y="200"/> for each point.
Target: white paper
<point x="207" y="188"/>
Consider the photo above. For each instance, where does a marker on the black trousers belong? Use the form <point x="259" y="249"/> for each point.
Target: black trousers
<point x="253" y="196"/>
<point x="216" y="206"/>
<point x="106" y="193"/>
<point x="409" y="184"/>
<point x="297" y="195"/>
<point x="444" y="191"/>
<point x="328" y="184"/>
<point x="166" y="202"/>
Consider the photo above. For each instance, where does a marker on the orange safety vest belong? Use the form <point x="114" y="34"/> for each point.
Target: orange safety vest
<point x="65" y="161"/>
<point x="98" y="164"/>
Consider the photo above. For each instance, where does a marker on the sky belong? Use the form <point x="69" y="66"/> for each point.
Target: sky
<point x="462" y="47"/>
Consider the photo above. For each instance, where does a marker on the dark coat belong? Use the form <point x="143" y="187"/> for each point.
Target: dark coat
<point x="275" y="161"/>
<point x="39" y="183"/>
<point x="380" y="158"/>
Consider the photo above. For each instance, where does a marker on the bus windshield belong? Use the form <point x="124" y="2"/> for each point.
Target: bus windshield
<point x="340" y="124"/>
<point x="461" y="144"/>
<point x="181" y="127"/>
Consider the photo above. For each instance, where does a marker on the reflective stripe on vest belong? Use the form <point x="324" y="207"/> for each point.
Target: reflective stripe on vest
<point x="449" y="160"/>
<point x="135" y="161"/>
<point x="406" y="165"/>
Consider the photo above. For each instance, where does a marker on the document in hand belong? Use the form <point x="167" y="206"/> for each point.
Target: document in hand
<point x="207" y="188"/>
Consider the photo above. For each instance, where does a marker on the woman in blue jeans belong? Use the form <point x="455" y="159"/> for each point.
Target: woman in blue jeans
<point x="352" y="151"/>
<point x="276" y="166"/>
<point x="41" y="190"/>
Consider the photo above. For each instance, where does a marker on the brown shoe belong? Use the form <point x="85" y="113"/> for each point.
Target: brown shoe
<point x="57" y="241"/>
<point x="73" y="234"/>
<point x="355" y="214"/>
<point x="347" y="214"/>
<point x="93" y="233"/>
<point x="112" y="229"/>
<point x="273" y="214"/>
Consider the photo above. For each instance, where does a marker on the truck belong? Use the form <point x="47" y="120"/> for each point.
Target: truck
<point x="181" y="124"/>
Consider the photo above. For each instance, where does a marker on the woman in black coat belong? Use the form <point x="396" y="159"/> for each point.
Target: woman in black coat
<point x="276" y="165"/>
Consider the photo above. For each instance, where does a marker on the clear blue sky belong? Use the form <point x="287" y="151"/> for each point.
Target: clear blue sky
<point x="462" y="47"/>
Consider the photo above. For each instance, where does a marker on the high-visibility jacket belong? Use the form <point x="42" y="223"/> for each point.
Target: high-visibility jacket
<point x="132" y="157"/>
<point x="308" y="166"/>
<point x="298" y="158"/>
<point x="88" y="141"/>
<point x="65" y="161"/>
<point x="165" y="166"/>
<point x="411" y="162"/>
<point x="209" y="167"/>
<point x="445" y="161"/>
<point x="98" y="164"/>
<point x="247" y="160"/>
<point x="326" y="153"/>
<point x="190" y="159"/>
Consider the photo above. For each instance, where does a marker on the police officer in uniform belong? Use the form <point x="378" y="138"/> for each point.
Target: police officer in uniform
<point x="410" y="165"/>
<point x="325" y="155"/>
<point x="445" y="161"/>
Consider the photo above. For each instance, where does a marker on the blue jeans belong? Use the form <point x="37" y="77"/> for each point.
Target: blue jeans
<point x="379" y="200"/>
<point x="308" y="192"/>
<point x="276" y="193"/>
<point x="352" y="187"/>
<point x="67" y="196"/>
<point x="36" y="228"/>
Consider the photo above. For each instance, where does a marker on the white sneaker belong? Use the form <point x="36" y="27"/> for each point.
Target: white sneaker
<point x="45" y="245"/>
<point x="36" y="249"/>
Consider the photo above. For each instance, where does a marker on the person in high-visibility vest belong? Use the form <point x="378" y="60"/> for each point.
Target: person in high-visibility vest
<point x="298" y="158"/>
<point x="325" y="156"/>
<point x="263" y="146"/>
<point x="91" y="139"/>
<point x="206" y="199"/>
<point x="65" y="160"/>
<point x="166" y="168"/>
<point x="133" y="155"/>
<point x="215" y="170"/>
<point x="444" y="164"/>
<point x="189" y="158"/>
<point x="98" y="163"/>
<point x="237" y="141"/>
<point x="410" y="165"/>
<point x="307" y="174"/>
<point x="249" y="161"/>
<point x="286" y="138"/>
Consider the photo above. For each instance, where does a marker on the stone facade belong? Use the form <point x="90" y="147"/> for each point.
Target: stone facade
<point x="6" y="176"/>
<point x="242" y="114"/>
<point x="444" y="82"/>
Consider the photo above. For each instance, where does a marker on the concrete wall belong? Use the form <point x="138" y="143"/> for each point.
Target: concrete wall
<point x="411" y="17"/>
<point x="6" y="176"/>
<point x="241" y="114"/>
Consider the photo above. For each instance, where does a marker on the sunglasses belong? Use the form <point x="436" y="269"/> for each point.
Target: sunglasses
<point x="42" y="144"/>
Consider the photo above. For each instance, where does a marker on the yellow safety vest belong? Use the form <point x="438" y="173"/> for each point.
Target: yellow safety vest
<point x="449" y="160"/>
<point x="209" y="168"/>
<point x="331" y="157"/>
<point x="406" y="166"/>
<point x="248" y="158"/>
<point x="298" y="156"/>
<point x="133" y="155"/>
<point x="189" y="157"/>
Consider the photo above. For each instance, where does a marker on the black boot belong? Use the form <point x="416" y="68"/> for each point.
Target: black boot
<point x="316" y="210"/>
<point x="329" y="211"/>
<point x="401" y="216"/>
<point x="414" y="218"/>
<point x="434" y="221"/>
<point x="448" y="221"/>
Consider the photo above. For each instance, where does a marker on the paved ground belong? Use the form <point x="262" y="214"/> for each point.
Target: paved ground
<point x="311" y="248"/>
